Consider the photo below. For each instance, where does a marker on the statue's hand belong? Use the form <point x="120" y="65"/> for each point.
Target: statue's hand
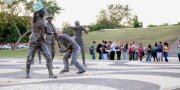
<point x="62" y="50"/>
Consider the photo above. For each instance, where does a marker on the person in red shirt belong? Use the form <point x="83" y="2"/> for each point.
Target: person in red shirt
<point x="140" y="51"/>
<point x="130" y="50"/>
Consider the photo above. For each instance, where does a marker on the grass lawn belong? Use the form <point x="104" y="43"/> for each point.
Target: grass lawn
<point x="22" y="53"/>
<point x="18" y="53"/>
<point x="144" y="35"/>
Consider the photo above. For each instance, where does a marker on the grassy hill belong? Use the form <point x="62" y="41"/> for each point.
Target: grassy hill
<point x="144" y="35"/>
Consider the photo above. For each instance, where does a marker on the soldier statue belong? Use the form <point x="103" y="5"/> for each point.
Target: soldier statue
<point x="37" y="41"/>
<point x="78" y="30"/>
<point x="50" y="40"/>
<point x="72" y="50"/>
<point x="39" y="56"/>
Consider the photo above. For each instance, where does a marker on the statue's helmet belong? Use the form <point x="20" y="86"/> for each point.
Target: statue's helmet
<point x="38" y="6"/>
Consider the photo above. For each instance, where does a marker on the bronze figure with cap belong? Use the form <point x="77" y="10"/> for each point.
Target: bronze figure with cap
<point x="37" y="41"/>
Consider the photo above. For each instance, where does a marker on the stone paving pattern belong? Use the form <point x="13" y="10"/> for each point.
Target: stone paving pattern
<point x="100" y="75"/>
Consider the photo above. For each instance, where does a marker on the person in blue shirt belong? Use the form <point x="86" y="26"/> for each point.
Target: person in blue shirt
<point x="160" y="52"/>
<point x="92" y="50"/>
<point x="154" y="52"/>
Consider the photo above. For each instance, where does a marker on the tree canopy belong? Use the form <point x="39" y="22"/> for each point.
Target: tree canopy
<point x="115" y="16"/>
<point x="15" y="19"/>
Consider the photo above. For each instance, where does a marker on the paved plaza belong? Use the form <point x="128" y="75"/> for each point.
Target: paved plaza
<point x="100" y="75"/>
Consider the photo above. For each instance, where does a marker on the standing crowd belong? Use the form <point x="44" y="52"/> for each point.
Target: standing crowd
<point x="133" y="52"/>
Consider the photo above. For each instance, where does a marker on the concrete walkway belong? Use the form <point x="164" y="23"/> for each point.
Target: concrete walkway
<point x="100" y="75"/>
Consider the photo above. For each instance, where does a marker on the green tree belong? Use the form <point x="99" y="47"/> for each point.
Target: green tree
<point x="16" y="8"/>
<point x="66" y="29"/>
<point x="3" y="22"/>
<point x="178" y="23"/>
<point x="165" y="24"/>
<point x="8" y="31"/>
<point x="152" y="25"/>
<point x="51" y="6"/>
<point x="117" y="13"/>
<point x="103" y="20"/>
<point x="136" y="22"/>
<point x="112" y="17"/>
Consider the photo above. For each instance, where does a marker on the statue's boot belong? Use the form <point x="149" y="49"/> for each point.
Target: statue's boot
<point x="49" y="67"/>
<point x="28" y="66"/>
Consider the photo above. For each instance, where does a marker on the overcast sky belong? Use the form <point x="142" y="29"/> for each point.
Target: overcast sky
<point x="149" y="11"/>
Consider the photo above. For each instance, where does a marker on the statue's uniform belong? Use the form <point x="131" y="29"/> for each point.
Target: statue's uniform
<point x="36" y="41"/>
<point x="78" y="38"/>
<point x="72" y="51"/>
<point x="39" y="55"/>
<point x="50" y="38"/>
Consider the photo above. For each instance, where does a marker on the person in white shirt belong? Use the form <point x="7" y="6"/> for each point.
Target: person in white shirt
<point x="113" y="50"/>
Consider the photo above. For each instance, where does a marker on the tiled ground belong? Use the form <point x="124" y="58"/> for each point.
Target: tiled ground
<point x="100" y="75"/>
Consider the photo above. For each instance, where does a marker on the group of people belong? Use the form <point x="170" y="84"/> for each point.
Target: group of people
<point x="158" y="51"/>
<point x="42" y="39"/>
<point x="107" y="50"/>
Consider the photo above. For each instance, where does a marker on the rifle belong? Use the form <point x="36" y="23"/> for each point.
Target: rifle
<point x="62" y="48"/>
<point x="56" y="37"/>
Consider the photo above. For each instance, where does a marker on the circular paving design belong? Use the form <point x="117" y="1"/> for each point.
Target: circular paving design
<point x="100" y="75"/>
